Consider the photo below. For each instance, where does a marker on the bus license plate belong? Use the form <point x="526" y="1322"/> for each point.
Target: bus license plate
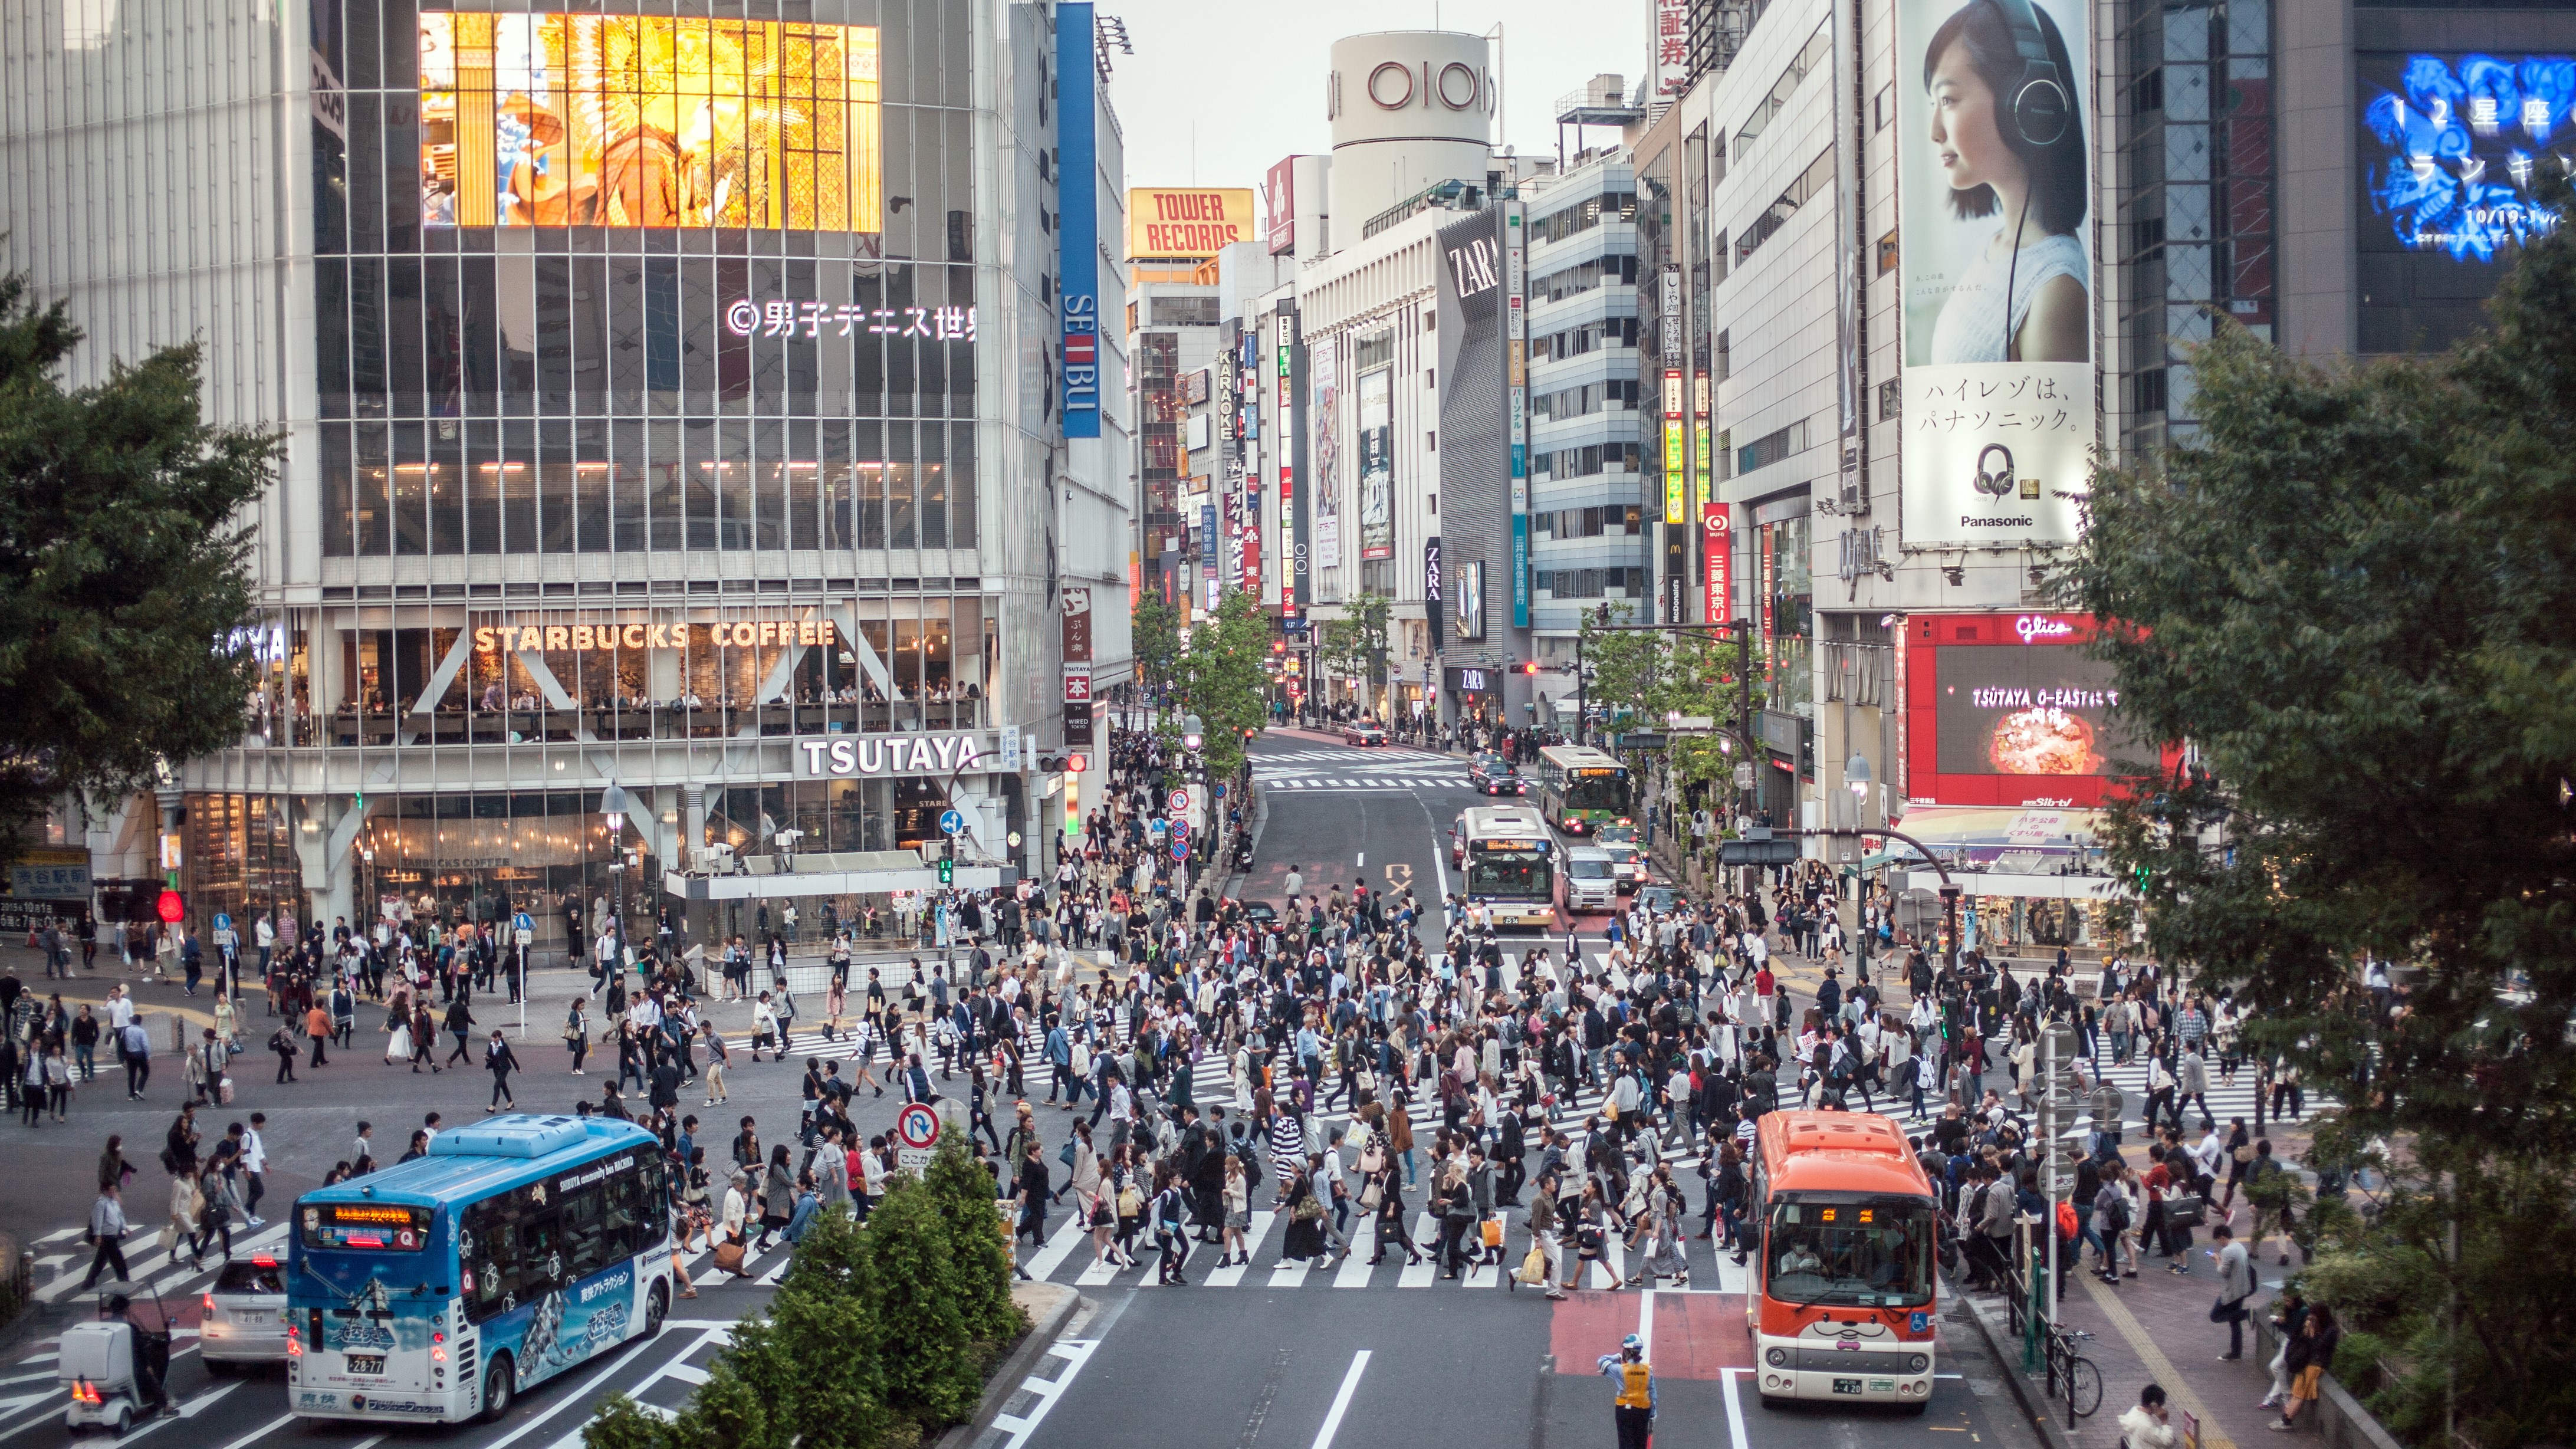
<point x="1846" y="1386"/>
<point x="1882" y="1386"/>
<point x="374" y="1363"/>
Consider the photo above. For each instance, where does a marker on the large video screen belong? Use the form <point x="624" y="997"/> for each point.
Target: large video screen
<point x="631" y="120"/>
<point x="2454" y="146"/>
<point x="2033" y="710"/>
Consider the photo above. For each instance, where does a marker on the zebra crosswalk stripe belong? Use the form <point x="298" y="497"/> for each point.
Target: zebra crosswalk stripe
<point x="1710" y="1268"/>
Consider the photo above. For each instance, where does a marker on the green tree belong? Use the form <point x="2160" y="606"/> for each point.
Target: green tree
<point x="1354" y="646"/>
<point x="2350" y="594"/>
<point x="807" y="1372"/>
<point x="930" y="1371"/>
<point x="964" y="1191"/>
<point x="1229" y="681"/>
<point x="1155" y="632"/>
<point x="1626" y="667"/>
<point x="124" y="566"/>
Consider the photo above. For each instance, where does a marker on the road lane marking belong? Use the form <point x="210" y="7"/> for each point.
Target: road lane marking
<point x="1419" y="1275"/>
<point x="1252" y="1240"/>
<point x="1354" y="1272"/>
<point x="1646" y="1324"/>
<point x="271" y="1427"/>
<point x="1015" y="1428"/>
<point x="1734" y="1411"/>
<point x="1342" y="1400"/>
<point x="1060" y="1246"/>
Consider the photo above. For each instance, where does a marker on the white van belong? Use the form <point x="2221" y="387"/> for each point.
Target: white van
<point x="1589" y="881"/>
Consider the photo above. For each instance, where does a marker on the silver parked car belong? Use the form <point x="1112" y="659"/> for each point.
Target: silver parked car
<point x="245" y="1315"/>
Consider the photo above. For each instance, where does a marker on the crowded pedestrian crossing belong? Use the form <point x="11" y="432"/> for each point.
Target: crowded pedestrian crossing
<point x="1212" y="1077"/>
<point x="1316" y="770"/>
<point x="1352" y="1259"/>
<point x="59" y="1260"/>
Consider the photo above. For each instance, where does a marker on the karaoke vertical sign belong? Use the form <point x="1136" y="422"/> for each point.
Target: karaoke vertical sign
<point x="1516" y="346"/>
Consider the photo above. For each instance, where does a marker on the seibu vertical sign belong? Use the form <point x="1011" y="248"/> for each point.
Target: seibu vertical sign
<point x="1078" y="221"/>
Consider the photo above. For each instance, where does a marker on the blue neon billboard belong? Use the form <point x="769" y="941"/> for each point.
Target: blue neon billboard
<point x="2462" y="141"/>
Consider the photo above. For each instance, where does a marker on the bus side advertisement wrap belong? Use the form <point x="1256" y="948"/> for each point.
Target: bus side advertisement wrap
<point x="534" y="1244"/>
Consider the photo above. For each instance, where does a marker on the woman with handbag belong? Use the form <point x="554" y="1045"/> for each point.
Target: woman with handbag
<point x="1546" y="1256"/>
<point x="1100" y="1211"/>
<point x="1233" y="1246"/>
<point x="577" y="1033"/>
<point x="1391" y="1227"/>
<point x="398" y="1030"/>
<point x="1591" y="1235"/>
<point x="731" y="1246"/>
<point x="1132" y="1202"/>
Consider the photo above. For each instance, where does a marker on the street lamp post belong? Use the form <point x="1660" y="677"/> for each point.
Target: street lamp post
<point x="612" y="809"/>
<point x="1856" y="778"/>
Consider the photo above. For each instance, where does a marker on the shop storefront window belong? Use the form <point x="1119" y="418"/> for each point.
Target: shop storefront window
<point x="240" y="861"/>
<point x="1791" y="614"/>
<point x="914" y="663"/>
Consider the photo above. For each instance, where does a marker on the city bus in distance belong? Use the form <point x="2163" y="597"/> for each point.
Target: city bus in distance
<point x="1510" y="864"/>
<point x="1580" y="789"/>
<point x="1840" y="1299"/>
<point x="436" y="1290"/>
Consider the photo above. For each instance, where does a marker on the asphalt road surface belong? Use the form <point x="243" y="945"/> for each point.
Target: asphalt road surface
<point x="1154" y="1367"/>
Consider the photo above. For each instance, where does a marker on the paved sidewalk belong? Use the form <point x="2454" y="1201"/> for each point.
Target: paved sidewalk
<point x="2155" y="1328"/>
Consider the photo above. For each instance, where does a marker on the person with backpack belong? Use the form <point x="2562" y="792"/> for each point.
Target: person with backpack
<point x="1171" y="1233"/>
<point x="2112" y="1219"/>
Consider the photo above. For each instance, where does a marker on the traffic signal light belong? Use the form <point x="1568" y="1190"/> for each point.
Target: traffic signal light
<point x="947" y="871"/>
<point x="1076" y="763"/>
<point x="1530" y="668"/>
<point x="173" y="908"/>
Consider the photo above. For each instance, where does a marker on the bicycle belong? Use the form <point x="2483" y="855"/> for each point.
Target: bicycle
<point x="2083" y="1382"/>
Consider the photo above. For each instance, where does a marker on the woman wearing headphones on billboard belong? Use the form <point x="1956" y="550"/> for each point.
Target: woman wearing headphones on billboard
<point x="2011" y="143"/>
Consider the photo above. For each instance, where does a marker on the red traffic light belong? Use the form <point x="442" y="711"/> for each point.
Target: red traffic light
<point x="173" y="908"/>
<point x="1076" y="764"/>
<point x="1530" y="668"/>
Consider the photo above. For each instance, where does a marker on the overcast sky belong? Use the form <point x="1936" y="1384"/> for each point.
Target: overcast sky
<point x="1248" y="79"/>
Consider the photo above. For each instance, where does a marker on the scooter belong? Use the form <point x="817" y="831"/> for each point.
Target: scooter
<point x="117" y="1368"/>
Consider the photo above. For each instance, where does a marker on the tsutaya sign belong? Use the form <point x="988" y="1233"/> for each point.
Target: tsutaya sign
<point x="871" y="756"/>
<point x="741" y="633"/>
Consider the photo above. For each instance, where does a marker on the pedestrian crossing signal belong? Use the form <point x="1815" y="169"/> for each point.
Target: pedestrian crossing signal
<point x="947" y="872"/>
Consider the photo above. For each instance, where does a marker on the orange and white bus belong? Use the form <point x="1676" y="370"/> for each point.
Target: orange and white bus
<point x="1840" y="1302"/>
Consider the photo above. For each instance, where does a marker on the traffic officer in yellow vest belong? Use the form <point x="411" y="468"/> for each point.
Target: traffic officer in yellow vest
<point x="1634" y="1408"/>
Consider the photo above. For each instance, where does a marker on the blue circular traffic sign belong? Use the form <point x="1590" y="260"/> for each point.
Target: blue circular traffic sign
<point x="1180" y="850"/>
<point x="952" y="822"/>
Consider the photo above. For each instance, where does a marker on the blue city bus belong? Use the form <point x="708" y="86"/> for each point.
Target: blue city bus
<point x="435" y="1290"/>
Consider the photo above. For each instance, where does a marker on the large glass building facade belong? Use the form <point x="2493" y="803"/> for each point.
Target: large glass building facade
<point x="660" y="395"/>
